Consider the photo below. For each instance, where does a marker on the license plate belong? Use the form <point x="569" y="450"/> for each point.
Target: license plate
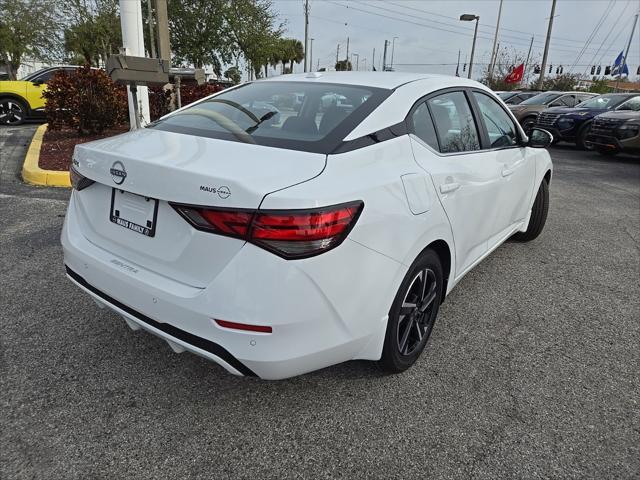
<point x="134" y="212"/>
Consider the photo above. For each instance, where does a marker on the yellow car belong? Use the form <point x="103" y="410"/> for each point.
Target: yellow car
<point x="22" y="99"/>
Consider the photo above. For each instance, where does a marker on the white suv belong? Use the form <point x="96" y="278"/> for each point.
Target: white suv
<point x="279" y="242"/>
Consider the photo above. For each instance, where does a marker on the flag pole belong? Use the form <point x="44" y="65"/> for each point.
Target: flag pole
<point x="626" y="53"/>
<point x="526" y="63"/>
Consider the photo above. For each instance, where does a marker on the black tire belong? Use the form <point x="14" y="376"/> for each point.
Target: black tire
<point x="410" y="326"/>
<point x="12" y="111"/>
<point x="581" y="138"/>
<point x="527" y="124"/>
<point x="538" y="215"/>
<point x="607" y="152"/>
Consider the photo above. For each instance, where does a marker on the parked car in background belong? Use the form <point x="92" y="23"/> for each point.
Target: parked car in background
<point x="278" y="249"/>
<point x="22" y="99"/>
<point x="527" y="111"/>
<point x="617" y="131"/>
<point x="573" y="124"/>
<point x="516" y="97"/>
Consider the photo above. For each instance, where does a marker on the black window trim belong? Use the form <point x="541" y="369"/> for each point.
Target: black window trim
<point x="485" y="143"/>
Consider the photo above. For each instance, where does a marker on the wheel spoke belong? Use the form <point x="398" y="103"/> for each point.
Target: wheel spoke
<point x="405" y="336"/>
<point x="431" y="296"/>
<point x="419" y="330"/>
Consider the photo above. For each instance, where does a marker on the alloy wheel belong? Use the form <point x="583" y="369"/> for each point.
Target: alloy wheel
<point x="11" y="112"/>
<point x="415" y="319"/>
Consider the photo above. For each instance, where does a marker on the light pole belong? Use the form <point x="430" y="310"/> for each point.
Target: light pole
<point x="357" y="60"/>
<point x="467" y="17"/>
<point x="393" y="48"/>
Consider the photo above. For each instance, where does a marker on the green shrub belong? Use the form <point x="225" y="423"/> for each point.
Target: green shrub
<point x="85" y="100"/>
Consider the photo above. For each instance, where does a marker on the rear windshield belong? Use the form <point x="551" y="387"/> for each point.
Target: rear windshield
<point x="305" y="116"/>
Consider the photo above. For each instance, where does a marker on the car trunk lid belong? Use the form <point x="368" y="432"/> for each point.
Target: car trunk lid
<point x="133" y="170"/>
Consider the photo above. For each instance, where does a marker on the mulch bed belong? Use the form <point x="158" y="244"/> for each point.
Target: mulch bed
<point x="57" y="146"/>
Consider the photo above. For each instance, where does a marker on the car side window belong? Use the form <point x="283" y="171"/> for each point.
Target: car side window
<point x="501" y="129"/>
<point x="45" y="76"/>
<point x="631" y="104"/>
<point x="457" y="131"/>
<point x="423" y="126"/>
<point x="568" y="100"/>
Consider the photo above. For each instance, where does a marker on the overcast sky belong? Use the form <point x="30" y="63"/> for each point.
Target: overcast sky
<point x="429" y="31"/>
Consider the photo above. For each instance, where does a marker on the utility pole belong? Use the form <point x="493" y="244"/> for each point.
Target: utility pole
<point x="164" y="49"/>
<point x="133" y="44"/>
<point x="626" y="53"/>
<point x="337" y="54"/>
<point x="393" y="48"/>
<point x="152" y="40"/>
<point x="306" y="34"/>
<point x="495" y="42"/>
<point x="318" y="66"/>
<point x="526" y="62"/>
<point x="384" y="56"/>
<point x="311" y="55"/>
<point x="373" y="59"/>
<point x="546" y="45"/>
<point x="347" y="57"/>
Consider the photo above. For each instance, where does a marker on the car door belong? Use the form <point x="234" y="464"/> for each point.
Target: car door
<point x="37" y="86"/>
<point x="446" y="144"/>
<point x="516" y="167"/>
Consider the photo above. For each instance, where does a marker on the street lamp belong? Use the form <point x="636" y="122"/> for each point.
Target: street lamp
<point x="393" y="48"/>
<point x="467" y="17"/>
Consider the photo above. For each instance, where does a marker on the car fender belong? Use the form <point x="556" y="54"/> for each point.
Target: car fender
<point x="14" y="96"/>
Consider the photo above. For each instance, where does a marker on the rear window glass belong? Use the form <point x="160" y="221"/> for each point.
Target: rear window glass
<point x="297" y="115"/>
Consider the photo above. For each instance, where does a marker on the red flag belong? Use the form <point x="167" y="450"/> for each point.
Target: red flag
<point x="516" y="74"/>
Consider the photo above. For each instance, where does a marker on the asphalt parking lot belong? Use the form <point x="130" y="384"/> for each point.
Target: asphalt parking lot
<point x="532" y="370"/>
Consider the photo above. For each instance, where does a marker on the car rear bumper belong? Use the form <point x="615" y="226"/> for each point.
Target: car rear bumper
<point x="320" y="311"/>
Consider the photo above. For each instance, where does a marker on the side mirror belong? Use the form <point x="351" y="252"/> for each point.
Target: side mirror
<point x="539" y="138"/>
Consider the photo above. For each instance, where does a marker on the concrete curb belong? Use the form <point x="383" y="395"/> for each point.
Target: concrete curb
<point x="33" y="174"/>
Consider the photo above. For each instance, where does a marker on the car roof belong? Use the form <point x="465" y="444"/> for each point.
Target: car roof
<point x="388" y="80"/>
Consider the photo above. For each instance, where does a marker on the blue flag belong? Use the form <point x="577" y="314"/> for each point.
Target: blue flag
<point x="618" y="68"/>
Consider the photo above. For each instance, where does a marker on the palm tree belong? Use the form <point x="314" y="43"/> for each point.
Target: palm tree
<point x="296" y="50"/>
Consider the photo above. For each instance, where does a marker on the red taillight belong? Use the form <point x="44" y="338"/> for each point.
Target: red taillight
<point x="243" y="326"/>
<point x="78" y="181"/>
<point x="287" y="233"/>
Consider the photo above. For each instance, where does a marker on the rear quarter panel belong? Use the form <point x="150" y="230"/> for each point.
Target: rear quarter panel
<point x="387" y="224"/>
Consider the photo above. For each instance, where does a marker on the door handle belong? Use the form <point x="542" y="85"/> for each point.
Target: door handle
<point x="507" y="171"/>
<point x="449" y="187"/>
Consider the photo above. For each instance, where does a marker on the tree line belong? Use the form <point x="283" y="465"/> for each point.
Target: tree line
<point x="216" y="33"/>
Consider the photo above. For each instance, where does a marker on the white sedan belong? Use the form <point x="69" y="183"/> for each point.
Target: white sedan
<point x="280" y="242"/>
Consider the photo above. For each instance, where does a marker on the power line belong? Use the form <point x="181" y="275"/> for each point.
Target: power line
<point x="594" y="32"/>
<point x="613" y="26"/>
<point x="486" y="26"/>
<point x="620" y="30"/>
<point x="465" y="33"/>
